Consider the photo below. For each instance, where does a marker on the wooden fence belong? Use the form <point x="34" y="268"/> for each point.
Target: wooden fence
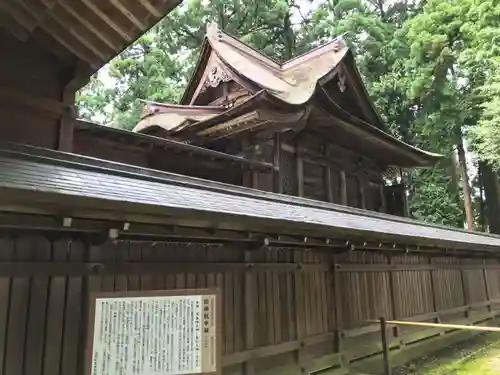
<point x="285" y="310"/>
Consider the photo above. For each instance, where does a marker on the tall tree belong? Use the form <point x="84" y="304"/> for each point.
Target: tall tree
<point x="444" y="78"/>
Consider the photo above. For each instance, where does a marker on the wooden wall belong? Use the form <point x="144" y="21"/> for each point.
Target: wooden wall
<point x="308" y="165"/>
<point x="284" y="310"/>
<point x="97" y="145"/>
<point x="31" y="85"/>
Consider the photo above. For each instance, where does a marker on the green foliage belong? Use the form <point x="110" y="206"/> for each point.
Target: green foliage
<point x="486" y="135"/>
<point x="435" y="198"/>
<point x="93" y="100"/>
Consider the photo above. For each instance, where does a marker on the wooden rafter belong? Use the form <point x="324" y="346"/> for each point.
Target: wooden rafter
<point x="70" y="27"/>
<point x="58" y="32"/>
<point x="19" y="14"/>
<point x="70" y="8"/>
<point x="81" y="76"/>
<point x="151" y="8"/>
<point x="98" y="12"/>
<point x="14" y="27"/>
<point x="129" y="14"/>
<point x="90" y="31"/>
<point x="358" y="92"/>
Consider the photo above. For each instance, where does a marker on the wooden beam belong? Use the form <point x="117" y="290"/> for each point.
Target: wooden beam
<point x="250" y="305"/>
<point x="248" y="179"/>
<point x="319" y="158"/>
<point x="14" y="27"/>
<point x="273" y="350"/>
<point x="358" y="93"/>
<point x="59" y="33"/>
<point x="329" y="184"/>
<point x="337" y="304"/>
<point x="26" y="269"/>
<point x="278" y="184"/>
<point x="343" y="189"/>
<point x="413" y="267"/>
<point x="300" y="304"/>
<point x="22" y="98"/>
<point x="70" y="8"/>
<point x="406" y="208"/>
<point x="98" y="12"/>
<point x="67" y="124"/>
<point x="383" y="203"/>
<point x="300" y="171"/>
<point x="151" y="8"/>
<point x="434" y="291"/>
<point x="24" y="18"/>
<point x="81" y="77"/>
<point x="465" y="289"/>
<point x="52" y="45"/>
<point x="85" y="40"/>
<point x="486" y="284"/>
<point x="392" y="292"/>
<point x="362" y="195"/>
<point x="129" y="14"/>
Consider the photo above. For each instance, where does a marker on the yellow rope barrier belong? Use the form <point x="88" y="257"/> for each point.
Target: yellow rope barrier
<point x="443" y="325"/>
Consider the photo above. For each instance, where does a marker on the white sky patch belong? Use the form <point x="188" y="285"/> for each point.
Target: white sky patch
<point x="306" y="7"/>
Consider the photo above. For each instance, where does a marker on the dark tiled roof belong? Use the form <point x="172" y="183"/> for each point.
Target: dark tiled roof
<point x="120" y="187"/>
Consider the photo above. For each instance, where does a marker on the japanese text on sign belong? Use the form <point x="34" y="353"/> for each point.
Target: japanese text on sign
<point x="154" y="335"/>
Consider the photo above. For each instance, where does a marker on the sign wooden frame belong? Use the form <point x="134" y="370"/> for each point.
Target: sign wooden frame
<point x="156" y="293"/>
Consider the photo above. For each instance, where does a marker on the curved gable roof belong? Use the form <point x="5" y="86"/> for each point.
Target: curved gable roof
<point x="296" y="84"/>
<point x="293" y="81"/>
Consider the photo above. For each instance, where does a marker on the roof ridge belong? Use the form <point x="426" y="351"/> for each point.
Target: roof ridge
<point x="221" y="35"/>
<point x="216" y="32"/>
<point x="335" y="44"/>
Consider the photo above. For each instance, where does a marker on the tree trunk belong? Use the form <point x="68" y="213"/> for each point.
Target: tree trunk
<point x="491" y="192"/>
<point x="453" y="170"/>
<point x="462" y="163"/>
<point x="482" y="208"/>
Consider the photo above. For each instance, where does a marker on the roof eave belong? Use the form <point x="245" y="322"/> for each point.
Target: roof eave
<point x="206" y="50"/>
<point x="91" y="69"/>
<point x="366" y="99"/>
<point x="420" y="157"/>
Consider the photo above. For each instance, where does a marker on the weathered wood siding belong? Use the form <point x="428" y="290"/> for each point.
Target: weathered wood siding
<point x="143" y="154"/>
<point x="284" y="310"/>
<point x="30" y="93"/>
<point x="309" y="166"/>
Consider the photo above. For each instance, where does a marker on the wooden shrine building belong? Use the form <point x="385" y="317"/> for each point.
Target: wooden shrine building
<point x="272" y="182"/>
<point x="310" y="117"/>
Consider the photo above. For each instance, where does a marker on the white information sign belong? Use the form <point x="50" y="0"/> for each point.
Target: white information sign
<point x="154" y="335"/>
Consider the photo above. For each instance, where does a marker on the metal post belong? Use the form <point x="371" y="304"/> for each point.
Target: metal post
<point x="385" y="346"/>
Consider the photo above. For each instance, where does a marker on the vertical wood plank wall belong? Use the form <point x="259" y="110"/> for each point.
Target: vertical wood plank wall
<point x="308" y="166"/>
<point x="284" y="310"/>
